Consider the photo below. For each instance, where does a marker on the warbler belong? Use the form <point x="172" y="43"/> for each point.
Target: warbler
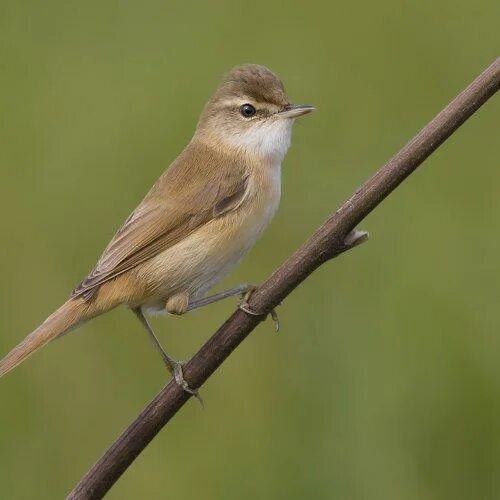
<point x="200" y="218"/>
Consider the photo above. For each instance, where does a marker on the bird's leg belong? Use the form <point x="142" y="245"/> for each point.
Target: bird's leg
<point x="244" y="290"/>
<point x="174" y="367"/>
<point x="243" y="305"/>
<point x="231" y="292"/>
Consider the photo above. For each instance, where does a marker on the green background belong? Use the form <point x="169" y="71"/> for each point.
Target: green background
<point x="385" y="380"/>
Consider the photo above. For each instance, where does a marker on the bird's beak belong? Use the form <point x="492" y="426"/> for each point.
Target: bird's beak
<point x="294" y="110"/>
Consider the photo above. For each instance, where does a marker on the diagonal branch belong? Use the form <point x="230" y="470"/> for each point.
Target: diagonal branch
<point x="327" y="242"/>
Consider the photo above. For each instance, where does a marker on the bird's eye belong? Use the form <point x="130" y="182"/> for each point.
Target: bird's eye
<point x="247" y="110"/>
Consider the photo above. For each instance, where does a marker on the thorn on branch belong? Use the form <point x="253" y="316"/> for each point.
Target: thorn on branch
<point x="355" y="238"/>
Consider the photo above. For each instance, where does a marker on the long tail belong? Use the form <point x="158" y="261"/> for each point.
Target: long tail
<point x="68" y="316"/>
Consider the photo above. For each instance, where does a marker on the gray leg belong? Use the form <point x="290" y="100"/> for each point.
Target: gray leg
<point x="244" y="290"/>
<point x="231" y="292"/>
<point x="174" y="367"/>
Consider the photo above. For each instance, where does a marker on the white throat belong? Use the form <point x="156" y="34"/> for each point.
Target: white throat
<point x="269" y="139"/>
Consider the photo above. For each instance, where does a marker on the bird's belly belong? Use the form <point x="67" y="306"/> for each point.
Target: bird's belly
<point x="205" y="257"/>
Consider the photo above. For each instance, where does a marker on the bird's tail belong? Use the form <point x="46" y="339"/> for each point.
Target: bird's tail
<point x="71" y="314"/>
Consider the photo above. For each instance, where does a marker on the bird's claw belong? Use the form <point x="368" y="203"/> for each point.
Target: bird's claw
<point x="181" y="382"/>
<point x="244" y="306"/>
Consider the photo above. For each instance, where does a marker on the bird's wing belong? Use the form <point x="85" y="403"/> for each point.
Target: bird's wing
<point x="199" y="186"/>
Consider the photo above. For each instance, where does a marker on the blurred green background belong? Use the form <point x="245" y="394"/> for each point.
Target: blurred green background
<point x="385" y="380"/>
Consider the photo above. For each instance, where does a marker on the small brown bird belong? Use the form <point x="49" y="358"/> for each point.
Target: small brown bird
<point x="199" y="219"/>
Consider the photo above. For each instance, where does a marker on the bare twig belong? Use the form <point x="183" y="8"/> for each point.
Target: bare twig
<point x="331" y="239"/>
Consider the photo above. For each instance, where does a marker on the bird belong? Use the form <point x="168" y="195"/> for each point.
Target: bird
<point x="200" y="218"/>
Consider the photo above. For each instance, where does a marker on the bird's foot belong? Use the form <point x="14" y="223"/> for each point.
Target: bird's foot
<point x="175" y="368"/>
<point x="244" y="306"/>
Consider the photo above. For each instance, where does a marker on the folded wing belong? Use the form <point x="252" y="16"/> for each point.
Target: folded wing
<point x="198" y="187"/>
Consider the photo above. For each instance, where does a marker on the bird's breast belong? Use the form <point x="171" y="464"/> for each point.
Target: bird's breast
<point x="261" y="201"/>
<point x="229" y="238"/>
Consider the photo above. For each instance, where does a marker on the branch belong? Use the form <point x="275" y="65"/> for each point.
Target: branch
<point x="333" y="237"/>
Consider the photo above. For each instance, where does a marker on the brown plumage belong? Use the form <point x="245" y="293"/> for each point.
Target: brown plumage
<point x="199" y="219"/>
<point x="254" y="81"/>
<point x="170" y="212"/>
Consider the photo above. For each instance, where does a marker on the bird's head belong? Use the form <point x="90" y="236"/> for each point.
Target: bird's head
<point x="251" y="111"/>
